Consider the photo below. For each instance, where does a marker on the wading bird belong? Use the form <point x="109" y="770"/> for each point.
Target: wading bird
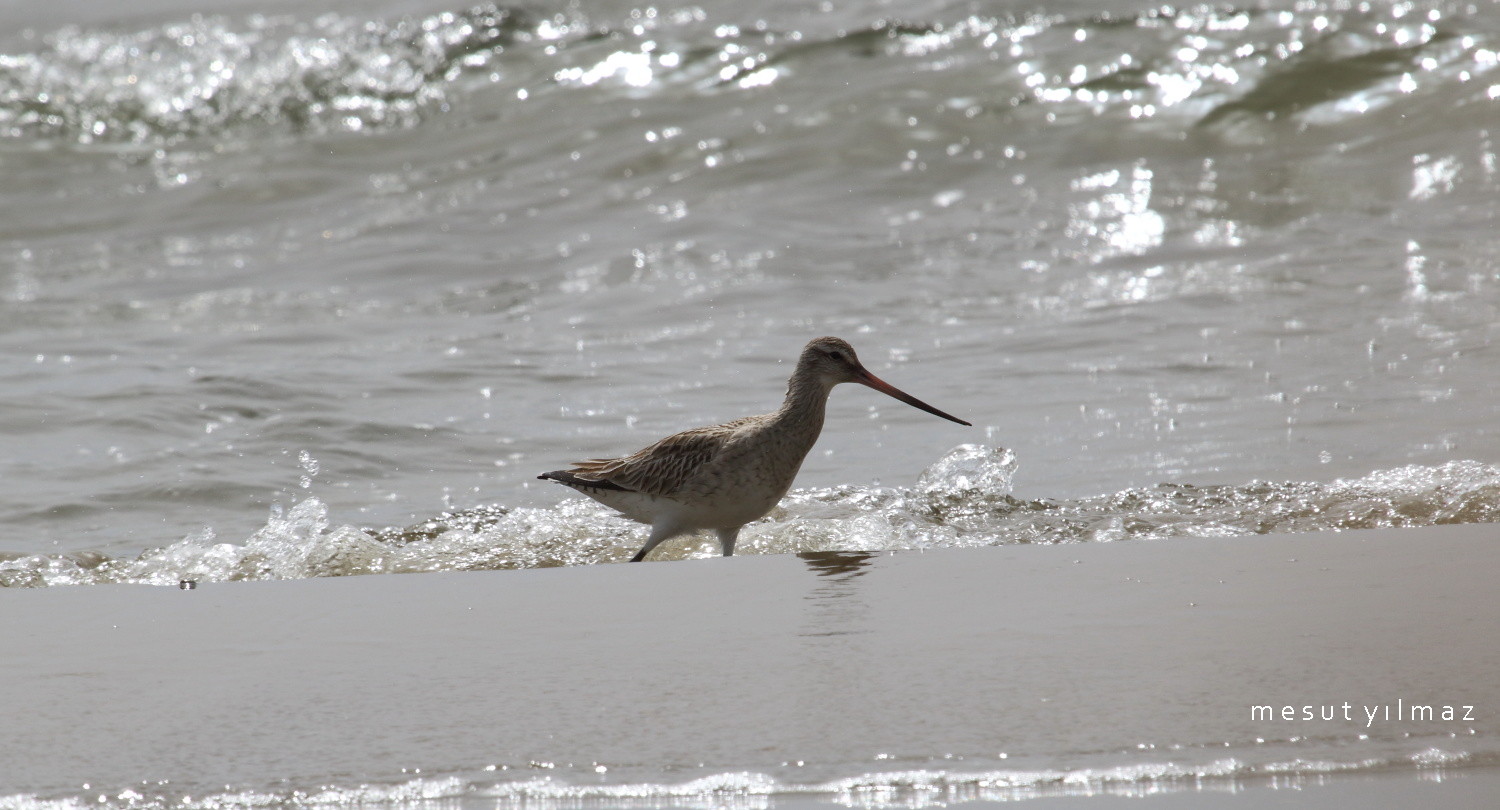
<point x="725" y="476"/>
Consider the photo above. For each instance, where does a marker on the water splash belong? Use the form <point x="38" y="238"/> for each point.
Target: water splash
<point x="962" y="500"/>
<point x="310" y="468"/>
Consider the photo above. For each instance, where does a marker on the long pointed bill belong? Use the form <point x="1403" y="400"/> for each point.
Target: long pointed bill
<point x="866" y="378"/>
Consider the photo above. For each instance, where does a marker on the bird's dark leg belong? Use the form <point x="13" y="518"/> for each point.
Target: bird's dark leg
<point x="660" y="532"/>
<point x="727" y="538"/>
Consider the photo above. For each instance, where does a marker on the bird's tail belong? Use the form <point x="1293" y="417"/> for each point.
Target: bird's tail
<point x="566" y="477"/>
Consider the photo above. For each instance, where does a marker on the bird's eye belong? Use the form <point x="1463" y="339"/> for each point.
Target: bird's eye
<point x="837" y="355"/>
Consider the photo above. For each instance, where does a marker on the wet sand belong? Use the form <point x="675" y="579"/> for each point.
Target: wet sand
<point x="742" y="664"/>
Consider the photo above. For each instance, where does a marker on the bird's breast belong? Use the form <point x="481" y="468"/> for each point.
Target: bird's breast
<point x="753" y="472"/>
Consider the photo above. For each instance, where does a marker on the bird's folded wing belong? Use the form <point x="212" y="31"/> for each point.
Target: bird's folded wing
<point x="664" y="468"/>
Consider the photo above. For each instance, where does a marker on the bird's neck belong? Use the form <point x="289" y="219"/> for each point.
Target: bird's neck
<point x="805" y="401"/>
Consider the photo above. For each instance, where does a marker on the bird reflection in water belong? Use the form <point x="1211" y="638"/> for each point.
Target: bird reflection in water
<point x="837" y="563"/>
<point x="835" y="606"/>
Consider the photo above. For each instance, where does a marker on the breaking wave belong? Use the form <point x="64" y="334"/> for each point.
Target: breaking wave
<point x="914" y="788"/>
<point x="1225" y="68"/>
<point x="962" y="500"/>
<point x="210" y="74"/>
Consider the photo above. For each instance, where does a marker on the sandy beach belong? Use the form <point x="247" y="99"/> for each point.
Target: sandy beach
<point x="1127" y="668"/>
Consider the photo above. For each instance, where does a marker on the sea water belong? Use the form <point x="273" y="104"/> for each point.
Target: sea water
<point x="388" y="263"/>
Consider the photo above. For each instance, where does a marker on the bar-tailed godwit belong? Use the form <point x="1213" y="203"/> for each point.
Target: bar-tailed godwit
<point x="725" y="476"/>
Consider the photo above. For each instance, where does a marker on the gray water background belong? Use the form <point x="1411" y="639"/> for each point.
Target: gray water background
<point x="387" y="260"/>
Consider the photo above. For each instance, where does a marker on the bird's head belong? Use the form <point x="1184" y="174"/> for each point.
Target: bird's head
<point x="830" y="361"/>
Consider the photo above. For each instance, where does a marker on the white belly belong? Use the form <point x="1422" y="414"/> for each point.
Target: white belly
<point x="722" y="509"/>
